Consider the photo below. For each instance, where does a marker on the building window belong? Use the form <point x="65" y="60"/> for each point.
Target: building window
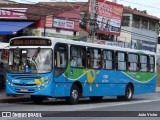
<point x="152" y="25"/>
<point x="136" y="22"/>
<point x="125" y="20"/>
<point x="74" y="33"/>
<point x="144" y="24"/>
<point x="58" y="30"/>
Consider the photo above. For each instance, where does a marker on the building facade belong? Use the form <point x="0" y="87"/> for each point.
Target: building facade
<point x="59" y="19"/>
<point x="56" y="19"/>
<point x="139" y="29"/>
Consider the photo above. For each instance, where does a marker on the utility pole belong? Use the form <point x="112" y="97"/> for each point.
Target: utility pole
<point x="92" y="19"/>
<point x="45" y="26"/>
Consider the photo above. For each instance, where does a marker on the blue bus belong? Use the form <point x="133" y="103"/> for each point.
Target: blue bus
<point x="60" y="68"/>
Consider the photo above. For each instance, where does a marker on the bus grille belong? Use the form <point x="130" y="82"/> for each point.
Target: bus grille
<point x="24" y="84"/>
<point x="25" y="77"/>
<point x="18" y="90"/>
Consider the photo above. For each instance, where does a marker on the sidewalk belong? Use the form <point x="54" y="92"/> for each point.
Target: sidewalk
<point x="157" y="89"/>
<point x="10" y="99"/>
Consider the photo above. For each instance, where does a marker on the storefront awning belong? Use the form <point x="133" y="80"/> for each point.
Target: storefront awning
<point x="12" y="27"/>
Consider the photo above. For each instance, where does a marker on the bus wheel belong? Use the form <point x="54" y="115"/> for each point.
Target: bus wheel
<point x="96" y="98"/>
<point x="37" y="99"/>
<point x="74" y="95"/>
<point x="128" y="94"/>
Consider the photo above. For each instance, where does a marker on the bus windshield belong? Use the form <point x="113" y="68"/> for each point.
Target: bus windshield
<point x="30" y="60"/>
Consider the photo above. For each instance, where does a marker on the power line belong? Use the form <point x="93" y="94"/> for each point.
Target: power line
<point x="141" y="4"/>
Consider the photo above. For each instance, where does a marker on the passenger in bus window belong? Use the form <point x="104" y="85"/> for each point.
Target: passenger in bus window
<point x="148" y="68"/>
<point x="129" y="68"/>
<point x="83" y="62"/>
<point x="137" y="67"/>
<point x="73" y="62"/>
<point x="144" y="68"/>
<point x="99" y="64"/>
<point x="79" y="62"/>
<point x="21" y="67"/>
<point x="151" y="68"/>
<point x="90" y="63"/>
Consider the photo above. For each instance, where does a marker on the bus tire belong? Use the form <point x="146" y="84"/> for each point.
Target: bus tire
<point x="37" y="99"/>
<point x="96" y="98"/>
<point x="74" y="95"/>
<point x="128" y="94"/>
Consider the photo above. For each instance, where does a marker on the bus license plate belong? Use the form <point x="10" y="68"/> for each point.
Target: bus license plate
<point x="24" y="90"/>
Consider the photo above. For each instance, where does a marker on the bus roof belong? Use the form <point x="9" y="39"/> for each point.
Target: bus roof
<point x="86" y="44"/>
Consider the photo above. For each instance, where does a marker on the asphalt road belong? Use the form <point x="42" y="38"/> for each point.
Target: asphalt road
<point x="140" y="105"/>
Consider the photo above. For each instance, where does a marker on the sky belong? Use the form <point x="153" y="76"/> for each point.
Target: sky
<point x="152" y="6"/>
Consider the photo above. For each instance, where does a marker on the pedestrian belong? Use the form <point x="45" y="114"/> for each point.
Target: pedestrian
<point x="2" y="71"/>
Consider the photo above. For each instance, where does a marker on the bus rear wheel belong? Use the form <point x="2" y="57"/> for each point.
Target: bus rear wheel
<point x="128" y="94"/>
<point x="37" y="99"/>
<point x="96" y="98"/>
<point x="74" y="95"/>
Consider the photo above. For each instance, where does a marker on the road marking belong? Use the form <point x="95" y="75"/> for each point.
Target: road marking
<point x="90" y="106"/>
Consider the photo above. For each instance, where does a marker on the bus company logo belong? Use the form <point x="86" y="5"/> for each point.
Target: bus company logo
<point x="6" y="114"/>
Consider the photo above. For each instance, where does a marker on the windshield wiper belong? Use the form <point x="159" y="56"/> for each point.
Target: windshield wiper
<point x="33" y="58"/>
<point x="36" y="54"/>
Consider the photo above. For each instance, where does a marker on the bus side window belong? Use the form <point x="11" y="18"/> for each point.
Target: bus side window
<point x="151" y="63"/>
<point x="77" y="56"/>
<point x="108" y="59"/>
<point x="133" y="62"/>
<point x="94" y="58"/>
<point x="122" y="64"/>
<point x="143" y="63"/>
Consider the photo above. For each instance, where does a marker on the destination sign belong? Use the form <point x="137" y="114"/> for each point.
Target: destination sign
<point x="30" y="42"/>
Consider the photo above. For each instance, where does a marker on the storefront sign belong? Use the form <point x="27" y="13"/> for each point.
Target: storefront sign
<point x="109" y="17"/>
<point x="13" y="13"/>
<point x="49" y="21"/>
<point x="60" y="23"/>
<point x="144" y="45"/>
